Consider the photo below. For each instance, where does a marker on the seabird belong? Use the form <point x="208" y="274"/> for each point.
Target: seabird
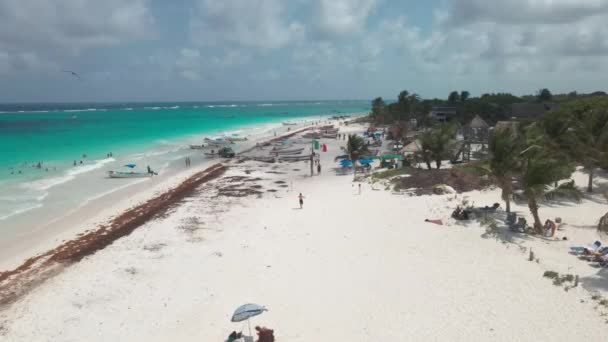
<point x="73" y="73"/>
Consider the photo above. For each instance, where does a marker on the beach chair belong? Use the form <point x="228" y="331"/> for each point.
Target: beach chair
<point x="517" y="225"/>
<point x="581" y="249"/>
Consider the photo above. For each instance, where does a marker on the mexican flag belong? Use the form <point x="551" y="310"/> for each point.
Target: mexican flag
<point x="315" y="143"/>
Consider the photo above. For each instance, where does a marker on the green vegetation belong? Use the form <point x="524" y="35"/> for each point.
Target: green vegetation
<point x="436" y="144"/>
<point x="557" y="279"/>
<point x="479" y="168"/>
<point x="356" y="148"/>
<point x="504" y="162"/>
<point x="536" y="154"/>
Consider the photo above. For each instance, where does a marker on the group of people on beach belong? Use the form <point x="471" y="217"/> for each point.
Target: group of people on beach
<point x="188" y="161"/>
<point x="264" y="335"/>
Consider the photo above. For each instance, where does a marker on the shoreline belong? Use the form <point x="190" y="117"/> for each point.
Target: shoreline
<point x="48" y="225"/>
<point x="32" y="272"/>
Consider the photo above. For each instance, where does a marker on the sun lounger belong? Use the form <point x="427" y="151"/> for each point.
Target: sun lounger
<point x="581" y="249"/>
<point x="598" y="255"/>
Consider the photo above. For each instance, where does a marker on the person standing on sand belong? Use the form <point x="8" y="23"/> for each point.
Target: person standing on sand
<point x="319" y="168"/>
<point x="301" y="198"/>
<point x="359" y="188"/>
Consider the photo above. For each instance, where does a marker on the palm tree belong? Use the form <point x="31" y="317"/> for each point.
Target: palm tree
<point x="504" y="151"/>
<point x="436" y="144"/>
<point x="355" y="148"/>
<point x="464" y="95"/>
<point x="590" y="133"/>
<point x="539" y="171"/>
<point x="454" y="97"/>
<point x="579" y="131"/>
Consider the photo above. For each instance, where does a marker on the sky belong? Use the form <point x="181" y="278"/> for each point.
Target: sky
<point x="220" y="50"/>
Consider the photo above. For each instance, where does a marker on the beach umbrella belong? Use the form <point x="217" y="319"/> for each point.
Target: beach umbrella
<point x="365" y="161"/>
<point x="245" y="312"/>
<point x="346" y="163"/>
<point x="130" y="165"/>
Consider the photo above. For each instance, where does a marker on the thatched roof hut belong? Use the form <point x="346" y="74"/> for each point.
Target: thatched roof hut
<point x="477" y="130"/>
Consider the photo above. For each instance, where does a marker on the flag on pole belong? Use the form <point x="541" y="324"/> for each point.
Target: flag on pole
<point x="316" y="144"/>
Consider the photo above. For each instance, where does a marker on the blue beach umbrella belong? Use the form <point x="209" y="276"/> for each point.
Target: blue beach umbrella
<point x="130" y="165"/>
<point x="365" y="161"/>
<point x="346" y="163"/>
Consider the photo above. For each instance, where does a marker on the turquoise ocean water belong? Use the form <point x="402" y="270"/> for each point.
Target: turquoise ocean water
<point x="153" y="133"/>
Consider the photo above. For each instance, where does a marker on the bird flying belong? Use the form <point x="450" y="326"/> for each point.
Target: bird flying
<point x="73" y="73"/>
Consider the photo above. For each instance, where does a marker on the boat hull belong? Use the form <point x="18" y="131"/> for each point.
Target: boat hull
<point x="118" y="174"/>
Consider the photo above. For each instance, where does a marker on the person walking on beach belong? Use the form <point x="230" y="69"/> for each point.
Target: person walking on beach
<point x="319" y="168"/>
<point x="301" y="198"/>
<point x="359" y="188"/>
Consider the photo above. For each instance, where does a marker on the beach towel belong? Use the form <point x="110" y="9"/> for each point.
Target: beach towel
<point x="439" y="222"/>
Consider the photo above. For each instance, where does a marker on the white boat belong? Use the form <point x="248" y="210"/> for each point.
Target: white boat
<point x="235" y="139"/>
<point x="287" y="123"/>
<point x="288" y="151"/>
<point x="128" y="174"/>
<point x="217" y="142"/>
<point x="199" y="147"/>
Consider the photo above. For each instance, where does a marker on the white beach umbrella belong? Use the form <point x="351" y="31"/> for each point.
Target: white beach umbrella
<point x="246" y="311"/>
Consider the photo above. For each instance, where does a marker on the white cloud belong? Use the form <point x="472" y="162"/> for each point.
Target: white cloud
<point x="525" y="11"/>
<point x="38" y="33"/>
<point x="189" y="64"/>
<point x="72" y="24"/>
<point x="479" y="37"/>
<point x="340" y="18"/>
<point x="243" y="23"/>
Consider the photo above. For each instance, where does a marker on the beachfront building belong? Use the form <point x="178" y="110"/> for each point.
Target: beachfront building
<point x="443" y="113"/>
<point x="477" y="131"/>
<point x="530" y="110"/>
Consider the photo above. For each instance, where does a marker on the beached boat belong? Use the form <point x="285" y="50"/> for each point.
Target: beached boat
<point x="128" y="174"/>
<point x="217" y="142"/>
<point x="235" y="139"/>
<point x="295" y="158"/>
<point x="287" y="123"/>
<point x="264" y="159"/>
<point x="287" y="151"/>
<point x="199" y="147"/>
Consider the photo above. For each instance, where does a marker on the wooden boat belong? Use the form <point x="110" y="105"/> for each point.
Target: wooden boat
<point x="128" y="174"/>
<point x="294" y="158"/>
<point x="292" y="151"/>
<point x="198" y="147"/>
<point x="235" y="139"/>
<point x="264" y="159"/>
<point x="312" y="136"/>
<point x="217" y="142"/>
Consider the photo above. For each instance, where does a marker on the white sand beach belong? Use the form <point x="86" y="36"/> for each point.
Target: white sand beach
<point x="347" y="267"/>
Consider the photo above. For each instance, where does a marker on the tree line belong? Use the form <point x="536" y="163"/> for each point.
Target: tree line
<point x="536" y="157"/>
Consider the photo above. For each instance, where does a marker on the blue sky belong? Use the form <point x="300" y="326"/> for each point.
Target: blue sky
<point x="144" y="50"/>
